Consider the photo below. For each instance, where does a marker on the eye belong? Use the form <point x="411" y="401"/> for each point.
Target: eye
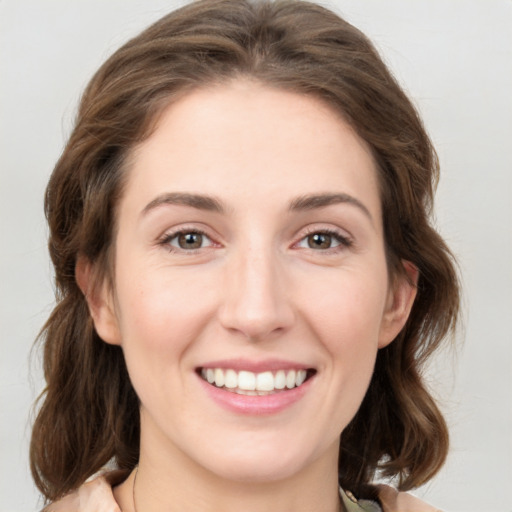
<point x="187" y="240"/>
<point x="320" y="241"/>
<point x="323" y="240"/>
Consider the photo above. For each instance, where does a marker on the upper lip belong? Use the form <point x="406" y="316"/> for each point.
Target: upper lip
<point x="256" y="366"/>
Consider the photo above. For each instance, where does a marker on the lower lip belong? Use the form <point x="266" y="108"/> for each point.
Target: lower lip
<point x="256" y="405"/>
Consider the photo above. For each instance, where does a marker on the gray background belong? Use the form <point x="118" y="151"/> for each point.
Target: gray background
<point x="455" y="59"/>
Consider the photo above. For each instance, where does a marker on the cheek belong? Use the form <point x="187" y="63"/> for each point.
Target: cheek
<point x="346" y="318"/>
<point x="160" y="316"/>
<point x="349" y="310"/>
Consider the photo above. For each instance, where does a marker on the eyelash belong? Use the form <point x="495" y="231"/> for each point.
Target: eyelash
<point x="343" y="241"/>
<point x="165" y="241"/>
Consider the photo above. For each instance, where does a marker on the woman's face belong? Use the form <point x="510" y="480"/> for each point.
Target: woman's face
<point x="250" y="254"/>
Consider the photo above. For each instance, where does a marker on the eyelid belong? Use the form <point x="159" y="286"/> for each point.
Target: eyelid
<point x="172" y="233"/>
<point x="344" y="238"/>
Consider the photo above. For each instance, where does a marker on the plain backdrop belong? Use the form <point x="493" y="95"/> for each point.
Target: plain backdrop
<point x="454" y="57"/>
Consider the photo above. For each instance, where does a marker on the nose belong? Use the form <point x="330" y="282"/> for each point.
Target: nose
<point x="255" y="302"/>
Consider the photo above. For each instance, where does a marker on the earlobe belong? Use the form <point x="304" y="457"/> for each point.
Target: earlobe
<point x="99" y="300"/>
<point x="400" y="302"/>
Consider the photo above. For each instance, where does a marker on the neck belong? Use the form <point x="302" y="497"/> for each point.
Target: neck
<point x="173" y="484"/>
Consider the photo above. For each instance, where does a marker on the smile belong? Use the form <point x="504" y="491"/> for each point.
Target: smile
<point x="249" y="383"/>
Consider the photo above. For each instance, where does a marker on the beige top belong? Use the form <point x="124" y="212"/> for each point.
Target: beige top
<point x="96" y="496"/>
<point x="351" y="504"/>
<point x="392" y="501"/>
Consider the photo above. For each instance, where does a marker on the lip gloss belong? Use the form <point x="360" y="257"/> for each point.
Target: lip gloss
<point x="255" y="405"/>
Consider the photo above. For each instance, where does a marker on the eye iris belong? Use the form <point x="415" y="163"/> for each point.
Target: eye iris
<point x="190" y="240"/>
<point x="319" y="241"/>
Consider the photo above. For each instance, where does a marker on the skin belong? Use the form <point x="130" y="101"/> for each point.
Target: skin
<point x="256" y="288"/>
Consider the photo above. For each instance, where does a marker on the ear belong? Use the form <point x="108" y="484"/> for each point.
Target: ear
<point x="100" y="301"/>
<point x="399" y="304"/>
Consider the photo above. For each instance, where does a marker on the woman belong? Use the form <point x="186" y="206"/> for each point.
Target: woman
<point x="248" y="282"/>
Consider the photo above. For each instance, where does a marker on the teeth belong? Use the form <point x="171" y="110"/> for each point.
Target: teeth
<point x="219" y="377"/>
<point x="249" y="383"/>
<point x="246" y="392"/>
<point x="231" y="379"/>
<point x="265" y="381"/>
<point x="290" y="379"/>
<point x="300" y="377"/>
<point x="280" y="380"/>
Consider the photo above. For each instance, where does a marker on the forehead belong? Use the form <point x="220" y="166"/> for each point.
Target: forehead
<point x="242" y="139"/>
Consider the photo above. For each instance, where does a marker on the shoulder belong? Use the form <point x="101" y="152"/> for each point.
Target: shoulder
<point x="391" y="499"/>
<point x="93" y="496"/>
<point x="96" y="495"/>
<point x="395" y="501"/>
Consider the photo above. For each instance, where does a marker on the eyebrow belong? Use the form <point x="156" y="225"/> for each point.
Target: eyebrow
<point x="313" y="201"/>
<point x="212" y="204"/>
<point x="199" y="201"/>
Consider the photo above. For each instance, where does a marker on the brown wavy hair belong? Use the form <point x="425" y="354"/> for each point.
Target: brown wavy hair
<point x="89" y="412"/>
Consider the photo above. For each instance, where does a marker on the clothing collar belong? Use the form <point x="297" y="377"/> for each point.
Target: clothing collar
<point x="352" y="504"/>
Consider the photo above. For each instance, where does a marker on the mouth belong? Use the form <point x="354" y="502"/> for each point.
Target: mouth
<point x="243" y="382"/>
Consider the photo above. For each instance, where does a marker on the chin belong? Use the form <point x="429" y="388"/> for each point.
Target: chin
<point x="264" y="465"/>
<point x="259" y="473"/>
